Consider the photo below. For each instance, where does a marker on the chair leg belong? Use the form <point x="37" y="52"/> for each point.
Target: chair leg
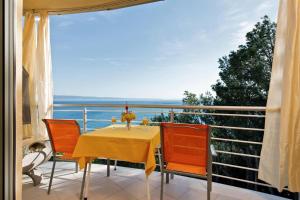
<point x="108" y="168"/>
<point x="87" y="181"/>
<point x="172" y="175"/>
<point x="162" y="185"/>
<point x="208" y="194"/>
<point x="209" y="185"/>
<point x="116" y="163"/>
<point x="208" y="189"/>
<point x="76" y="167"/>
<point x="51" y="177"/>
<point x="83" y="182"/>
<point x="159" y="158"/>
<point x="167" y="178"/>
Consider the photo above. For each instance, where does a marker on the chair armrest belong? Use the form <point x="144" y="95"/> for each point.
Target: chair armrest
<point x="213" y="150"/>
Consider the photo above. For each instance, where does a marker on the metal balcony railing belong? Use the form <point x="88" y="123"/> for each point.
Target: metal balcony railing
<point x="84" y="110"/>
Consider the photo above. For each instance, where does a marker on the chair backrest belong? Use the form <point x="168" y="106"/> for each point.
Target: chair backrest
<point x="63" y="134"/>
<point x="185" y="143"/>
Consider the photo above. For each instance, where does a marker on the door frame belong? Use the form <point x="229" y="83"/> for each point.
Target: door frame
<point x="7" y="100"/>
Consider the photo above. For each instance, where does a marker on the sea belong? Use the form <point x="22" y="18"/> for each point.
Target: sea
<point x="98" y="117"/>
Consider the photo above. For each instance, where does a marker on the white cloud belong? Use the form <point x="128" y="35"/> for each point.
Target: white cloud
<point x="239" y="37"/>
<point x="241" y="16"/>
<point x="265" y="6"/>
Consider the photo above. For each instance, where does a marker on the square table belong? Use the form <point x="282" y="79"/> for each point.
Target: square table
<point x="115" y="142"/>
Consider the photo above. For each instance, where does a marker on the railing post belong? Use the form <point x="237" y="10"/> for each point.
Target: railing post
<point x="172" y="121"/>
<point x="172" y="116"/>
<point x="84" y="119"/>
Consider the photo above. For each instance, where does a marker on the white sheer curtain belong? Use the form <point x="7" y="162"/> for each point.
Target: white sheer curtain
<point x="37" y="62"/>
<point x="44" y="73"/>
<point x="280" y="156"/>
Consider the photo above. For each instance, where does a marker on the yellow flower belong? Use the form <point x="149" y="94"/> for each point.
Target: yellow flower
<point x="127" y="116"/>
<point x="123" y="117"/>
<point x="131" y="116"/>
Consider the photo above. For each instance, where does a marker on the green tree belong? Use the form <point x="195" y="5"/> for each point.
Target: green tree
<point x="244" y="81"/>
<point x="245" y="73"/>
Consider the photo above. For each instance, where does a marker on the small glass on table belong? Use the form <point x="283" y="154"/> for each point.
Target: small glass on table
<point x="145" y="121"/>
<point x="113" y="121"/>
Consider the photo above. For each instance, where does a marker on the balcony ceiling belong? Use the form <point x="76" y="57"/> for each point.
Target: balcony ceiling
<point x="78" y="6"/>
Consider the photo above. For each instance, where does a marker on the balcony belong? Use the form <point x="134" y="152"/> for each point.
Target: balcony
<point x="129" y="184"/>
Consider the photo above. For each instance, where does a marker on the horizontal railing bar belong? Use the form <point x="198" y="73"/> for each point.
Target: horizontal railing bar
<point x="107" y="120"/>
<point x="237" y="128"/>
<point x="237" y="154"/>
<point x="118" y="121"/>
<point x="67" y="110"/>
<point x="235" y="166"/>
<point x="184" y="113"/>
<point x="119" y="111"/>
<point x="220" y="114"/>
<point x="233" y="127"/>
<point x="234" y="140"/>
<point x="213" y="126"/>
<point x="98" y="120"/>
<point x="136" y="111"/>
<point x="154" y="112"/>
<point x="246" y="181"/>
<point x="242" y="180"/>
<point x="228" y="108"/>
<point x="160" y="112"/>
<point x="72" y="119"/>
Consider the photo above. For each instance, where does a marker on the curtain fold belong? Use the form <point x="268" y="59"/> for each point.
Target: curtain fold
<point x="280" y="156"/>
<point x="29" y="64"/>
<point x="37" y="62"/>
<point x="44" y="73"/>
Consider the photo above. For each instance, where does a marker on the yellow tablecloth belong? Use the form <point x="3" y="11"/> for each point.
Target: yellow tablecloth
<point x="118" y="143"/>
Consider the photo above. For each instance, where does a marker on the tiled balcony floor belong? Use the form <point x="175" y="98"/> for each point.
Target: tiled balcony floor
<point x="128" y="184"/>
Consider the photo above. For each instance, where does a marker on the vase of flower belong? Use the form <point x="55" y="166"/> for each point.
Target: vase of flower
<point x="128" y="124"/>
<point x="127" y="117"/>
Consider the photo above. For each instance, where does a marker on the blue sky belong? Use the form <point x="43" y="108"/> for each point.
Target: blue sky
<point x="155" y="50"/>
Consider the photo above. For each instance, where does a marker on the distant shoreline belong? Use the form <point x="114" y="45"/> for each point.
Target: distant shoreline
<point x="89" y="98"/>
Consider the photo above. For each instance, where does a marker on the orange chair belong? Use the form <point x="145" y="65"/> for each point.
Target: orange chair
<point x="186" y="151"/>
<point x="63" y="135"/>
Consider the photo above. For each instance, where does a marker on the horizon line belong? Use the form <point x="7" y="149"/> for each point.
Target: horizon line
<point x="103" y="97"/>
